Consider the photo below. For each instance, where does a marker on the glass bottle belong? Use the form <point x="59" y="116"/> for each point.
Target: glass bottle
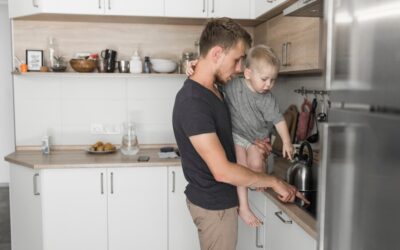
<point x="147" y="65"/>
<point x="130" y="145"/>
<point x="51" y="48"/>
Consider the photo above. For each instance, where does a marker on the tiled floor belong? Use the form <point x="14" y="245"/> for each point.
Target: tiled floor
<point x="5" y="236"/>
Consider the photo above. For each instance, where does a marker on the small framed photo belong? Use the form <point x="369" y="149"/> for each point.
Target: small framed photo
<point x="34" y="59"/>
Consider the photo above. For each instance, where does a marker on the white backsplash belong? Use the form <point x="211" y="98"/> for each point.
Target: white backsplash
<point x="65" y="107"/>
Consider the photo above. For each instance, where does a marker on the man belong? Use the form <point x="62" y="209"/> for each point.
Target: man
<point x="203" y="132"/>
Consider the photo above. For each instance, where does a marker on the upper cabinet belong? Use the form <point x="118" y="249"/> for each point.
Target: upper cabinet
<point x="19" y="8"/>
<point x="238" y="9"/>
<point x="134" y="8"/>
<point x="297" y="42"/>
<point x="264" y="6"/>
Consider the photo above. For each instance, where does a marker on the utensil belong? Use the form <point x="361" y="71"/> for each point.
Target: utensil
<point x="123" y="66"/>
<point x="322" y="116"/>
<point x="313" y="123"/>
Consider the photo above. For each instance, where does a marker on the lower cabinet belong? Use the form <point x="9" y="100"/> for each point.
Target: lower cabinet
<point x="278" y="231"/>
<point x="99" y="208"/>
<point x="182" y="233"/>
<point x="284" y="234"/>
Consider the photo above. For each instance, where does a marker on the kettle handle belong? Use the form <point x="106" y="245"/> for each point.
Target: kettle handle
<point x="310" y="152"/>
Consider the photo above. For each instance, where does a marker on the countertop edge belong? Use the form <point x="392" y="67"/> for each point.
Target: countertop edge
<point x="304" y="220"/>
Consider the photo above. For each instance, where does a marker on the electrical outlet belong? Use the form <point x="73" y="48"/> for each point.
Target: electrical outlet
<point x="96" y="128"/>
<point x="105" y="129"/>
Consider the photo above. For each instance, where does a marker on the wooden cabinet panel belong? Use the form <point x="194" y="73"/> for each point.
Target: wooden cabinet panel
<point x="297" y="43"/>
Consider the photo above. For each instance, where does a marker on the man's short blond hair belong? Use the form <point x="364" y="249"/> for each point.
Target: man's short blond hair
<point x="261" y="53"/>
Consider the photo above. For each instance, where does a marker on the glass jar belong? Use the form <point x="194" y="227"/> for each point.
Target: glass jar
<point x="186" y="58"/>
<point x="129" y="145"/>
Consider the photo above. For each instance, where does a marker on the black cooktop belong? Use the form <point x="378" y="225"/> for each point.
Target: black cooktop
<point x="309" y="208"/>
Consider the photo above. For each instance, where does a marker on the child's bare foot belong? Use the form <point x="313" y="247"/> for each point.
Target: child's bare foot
<point x="249" y="218"/>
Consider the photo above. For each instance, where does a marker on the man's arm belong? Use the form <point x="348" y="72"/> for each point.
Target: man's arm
<point x="211" y="151"/>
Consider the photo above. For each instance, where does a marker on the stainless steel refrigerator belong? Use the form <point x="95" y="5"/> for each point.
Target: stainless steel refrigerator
<point x="359" y="185"/>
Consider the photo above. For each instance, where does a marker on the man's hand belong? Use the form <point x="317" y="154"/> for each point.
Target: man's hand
<point x="264" y="147"/>
<point x="190" y="67"/>
<point x="287" y="192"/>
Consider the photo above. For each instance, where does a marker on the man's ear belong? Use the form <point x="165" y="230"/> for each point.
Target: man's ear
<point x="216" y="53"/>
<point x="247" y="73"/>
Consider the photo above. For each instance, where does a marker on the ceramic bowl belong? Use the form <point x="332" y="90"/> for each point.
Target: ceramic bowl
<point x="163" y="65"/>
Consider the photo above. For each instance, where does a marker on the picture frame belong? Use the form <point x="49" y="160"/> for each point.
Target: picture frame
<point x="34" y="59"/>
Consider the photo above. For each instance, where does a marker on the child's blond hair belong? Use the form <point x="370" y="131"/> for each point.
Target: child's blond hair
<point x="261" y="53"/>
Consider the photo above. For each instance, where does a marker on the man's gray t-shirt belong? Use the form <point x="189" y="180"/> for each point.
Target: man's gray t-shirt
<point x="253" y="114"/>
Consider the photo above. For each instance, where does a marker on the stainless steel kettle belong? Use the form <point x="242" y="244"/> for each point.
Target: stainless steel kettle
<point x="300" y="173"/>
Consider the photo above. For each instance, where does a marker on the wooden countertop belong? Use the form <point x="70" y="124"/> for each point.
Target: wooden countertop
<point x="78" y="158"/>
<point x="298" y="215"/>
<point x="82" y="159"/>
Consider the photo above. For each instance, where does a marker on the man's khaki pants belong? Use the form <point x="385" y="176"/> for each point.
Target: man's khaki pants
<point x="217" y="229"/>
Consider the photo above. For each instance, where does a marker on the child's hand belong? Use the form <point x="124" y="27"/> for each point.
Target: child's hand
<point x="288" y="150"/>
<point x="190" y="67"/>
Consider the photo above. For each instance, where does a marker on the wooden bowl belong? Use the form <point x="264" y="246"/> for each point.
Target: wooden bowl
<point x="83" y="65"/>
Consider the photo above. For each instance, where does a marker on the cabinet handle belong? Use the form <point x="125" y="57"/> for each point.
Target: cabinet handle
<point x="112" y="182"/>
<point x="173" y="181"/>
<point x="99" y="4"/>
<point x="283" y="56"/>
<point x="257" y="236"/>
<point x="204" y="6"/>
<point x="213" y="6"/>
<point x="34" y="3"/>
<point x="287" y="52"/>
<point x="279" y="215"/>
<point x="35" y="189"/>
<point x="102" y="183"/>
<point x="270" y="1"/>
<point x="109" y="4"/>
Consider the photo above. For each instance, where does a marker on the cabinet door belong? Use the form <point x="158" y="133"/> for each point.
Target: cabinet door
<point x="137" y="208"/>
<point x="73" y="6"/>
<point x="25" y="207"/>
<point x="304" y="45"/>
<point x="18" y="8"/>
<point x="250" y="238"/>
<point x="239" y="9"/>
<point x="184" y="8"/>
<point x="74" y="209"/>
<point x="182" y="231"/>
<point x="134" y="8"/>
<point x="284" y="234"/>
<point x="297" y="43"/>
<point x="262" y="7"/>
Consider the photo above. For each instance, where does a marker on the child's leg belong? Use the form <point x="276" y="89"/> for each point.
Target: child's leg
<point x="244" y="209"/>
<point x="255" y="161"/>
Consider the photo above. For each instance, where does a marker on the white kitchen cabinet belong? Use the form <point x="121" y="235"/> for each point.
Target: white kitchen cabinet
<point x="282" y="233"/>
<point x="89" y="208"/>
<point x="181" y="229"/>
<point x="74" y="207"/>
<point x="134" y="8"/>
<point x="19" y="8"/>
<point x="238" y="9"/>
<point x="25" y="209"/>
<point x="250" y="238"/>
<point x="262" y="7"/>
<point x="137" y="208"/>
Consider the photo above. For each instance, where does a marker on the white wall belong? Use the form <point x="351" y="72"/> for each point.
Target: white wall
<point x="65" y="106"/>
<point x="6" y="94"/>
